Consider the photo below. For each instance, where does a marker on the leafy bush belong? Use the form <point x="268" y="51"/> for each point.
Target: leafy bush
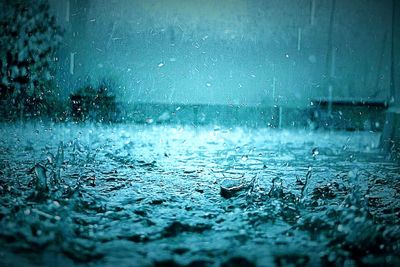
<point x="29" y="38"/>
<point x="95" y="103"/>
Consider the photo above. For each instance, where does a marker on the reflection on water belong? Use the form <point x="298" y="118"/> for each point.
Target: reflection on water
<point x="91" y="194"/>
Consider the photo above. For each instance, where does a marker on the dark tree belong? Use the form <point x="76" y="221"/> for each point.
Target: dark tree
<point x="29" y="38"/>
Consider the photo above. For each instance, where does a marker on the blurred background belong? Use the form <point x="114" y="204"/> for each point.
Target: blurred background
<point x="273" y="63"/>
<point x="228" y="52"/>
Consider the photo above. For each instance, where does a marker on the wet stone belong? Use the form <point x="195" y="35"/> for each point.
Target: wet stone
<point x="230" y="187"/>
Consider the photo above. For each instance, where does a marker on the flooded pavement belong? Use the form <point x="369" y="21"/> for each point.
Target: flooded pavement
<point x="137" y="195"/>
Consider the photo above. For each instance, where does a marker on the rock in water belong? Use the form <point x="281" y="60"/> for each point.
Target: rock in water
<point x="229" y="187"/>
<point x="41" y="178"/>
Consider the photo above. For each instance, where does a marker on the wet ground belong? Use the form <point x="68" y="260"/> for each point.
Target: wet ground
<point x="142" y="195"/>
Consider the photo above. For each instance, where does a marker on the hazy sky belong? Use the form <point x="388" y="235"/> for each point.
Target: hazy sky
<point x="236" y="51"/>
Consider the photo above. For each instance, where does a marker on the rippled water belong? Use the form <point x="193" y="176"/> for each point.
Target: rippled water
<point x="150" y="195"/>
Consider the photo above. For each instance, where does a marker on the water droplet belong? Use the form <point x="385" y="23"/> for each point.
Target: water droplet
<point x="315" y="152"/>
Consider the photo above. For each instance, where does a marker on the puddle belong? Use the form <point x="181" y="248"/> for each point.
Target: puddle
<point x="109" y="195"/>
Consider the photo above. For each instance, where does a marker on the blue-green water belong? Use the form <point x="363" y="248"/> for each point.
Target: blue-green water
<point x="140" y="195"/>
